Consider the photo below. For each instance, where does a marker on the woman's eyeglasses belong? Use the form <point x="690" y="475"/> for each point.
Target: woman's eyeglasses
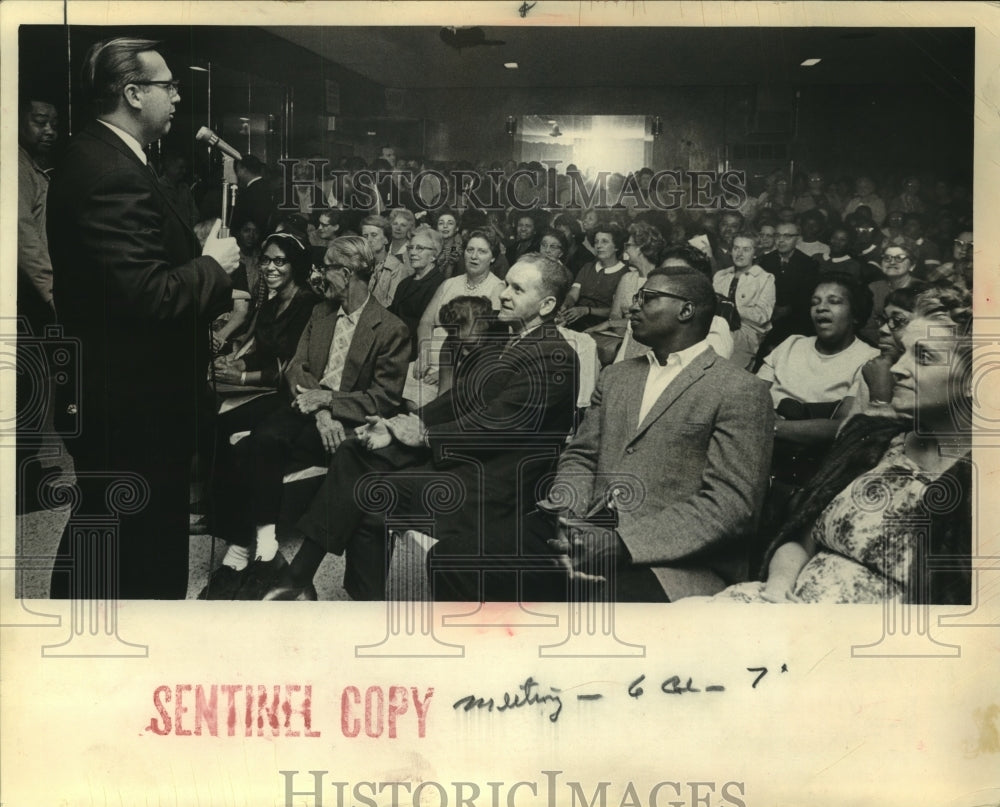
<point x="279" y="261"/>
<point x="421" y="247"/>
<point x="895" y="322"/>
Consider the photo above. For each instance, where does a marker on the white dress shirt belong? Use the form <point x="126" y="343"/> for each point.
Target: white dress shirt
<point x="129" y="141"/>
<point x="660" y="375"/>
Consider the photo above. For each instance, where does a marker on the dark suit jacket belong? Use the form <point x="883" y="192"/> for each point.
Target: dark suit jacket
<point x="253" y="202"/>
<point x="696" y="468"/>
<point x="130" y="284"/>
<point x="375" y="368"/>
<point x="501" y="428"/>
<point x="793" y="285"/>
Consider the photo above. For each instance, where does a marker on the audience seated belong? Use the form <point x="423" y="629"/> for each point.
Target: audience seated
<point x="794" y="280"/>
<point x="415" y="291"/>
<point x="866" y="246"/>
<point x="766" y="235"/>
<point x="480" y="252"/>
<point x="577" y="256"/>
<point x="959" y="269"/>
<point x="746" y="291"/>
<point x="795" y="299"/>
<point x="446" y="223"/>
<point x="812" y="225"/>
<point x="831" y="550"/>
<point x="929" y="255"/>
<point x="527" y="237"/>
<point x="644" y="250"/>
<point x="899" y="264"/>
<point x="499" y="431"/>
<point x="554" y="245"/>
<point x="401" y="224"/>
<point x="865" y="195"/>
<point x="839" y="257"/>
<point x="810" y="376"/>
<point x="659" y="490"/>
<point x="350" y="364"/>
<point x="389" y="270"/>
<point x="872" y="393"/>
<point x="589" y="300"/>
<point x="325" y="226"/>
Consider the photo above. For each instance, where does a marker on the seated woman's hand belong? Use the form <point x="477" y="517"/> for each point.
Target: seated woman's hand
<point x="877" y="374"/>
<point x="228" y="374"/>
<point x="219" y="340"/>
<point x="571" y="315"/>
<point x="772" y="594"/>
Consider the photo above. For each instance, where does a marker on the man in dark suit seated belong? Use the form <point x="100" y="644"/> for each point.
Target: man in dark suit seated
<point x="132" y="285"/>
<point x="350" y="364"/>
<point x="794" y="279"/>
<point x="497" y="430"/>
<point x="660" y="490"/>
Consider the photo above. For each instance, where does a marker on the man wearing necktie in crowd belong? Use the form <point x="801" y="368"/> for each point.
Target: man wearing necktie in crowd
<point x="131" y="284"/>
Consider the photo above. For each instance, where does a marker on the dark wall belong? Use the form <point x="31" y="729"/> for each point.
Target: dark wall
<point x="51" y="58"/>
<point x="885" y="130"/>
<point x="872" y="128"/>
<point x="920" y="127"/>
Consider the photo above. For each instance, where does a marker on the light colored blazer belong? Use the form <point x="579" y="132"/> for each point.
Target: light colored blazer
<point x="696" y="468"/>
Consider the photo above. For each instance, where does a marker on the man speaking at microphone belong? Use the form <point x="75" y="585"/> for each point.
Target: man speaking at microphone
<point x="130" y="285"/>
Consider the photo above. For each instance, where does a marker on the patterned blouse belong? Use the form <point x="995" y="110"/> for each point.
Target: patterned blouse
<point x="866" y="536"/>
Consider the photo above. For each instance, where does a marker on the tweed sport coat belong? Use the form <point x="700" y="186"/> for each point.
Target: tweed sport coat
<point x="697" y="465"/>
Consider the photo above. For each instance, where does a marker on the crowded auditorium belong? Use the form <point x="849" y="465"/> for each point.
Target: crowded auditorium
<point x="446" y="314"/>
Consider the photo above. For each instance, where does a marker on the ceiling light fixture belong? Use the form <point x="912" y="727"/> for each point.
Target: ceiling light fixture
<point x="510" y="65"/>
<point x="810" y="62"/>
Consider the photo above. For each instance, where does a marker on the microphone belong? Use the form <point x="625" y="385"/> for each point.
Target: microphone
<point x="206" y="135"/>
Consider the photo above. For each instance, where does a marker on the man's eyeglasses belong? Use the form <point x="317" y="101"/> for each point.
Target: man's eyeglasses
<point x="895" y="322"/>
<point x="173" y="85"/>
<point x="279" y="261"/>
<point x="641" y="297"/>
<point x="331" y="267"/>
<point x="895" y="258"/>
<point x="864" y="229"/>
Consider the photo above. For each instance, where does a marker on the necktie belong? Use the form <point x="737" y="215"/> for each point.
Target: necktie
<point x="338" y="355"/>
<point x="732" y="288"/>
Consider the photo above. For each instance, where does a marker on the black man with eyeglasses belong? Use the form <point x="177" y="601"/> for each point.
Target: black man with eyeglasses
<point x="659" y="492"/>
